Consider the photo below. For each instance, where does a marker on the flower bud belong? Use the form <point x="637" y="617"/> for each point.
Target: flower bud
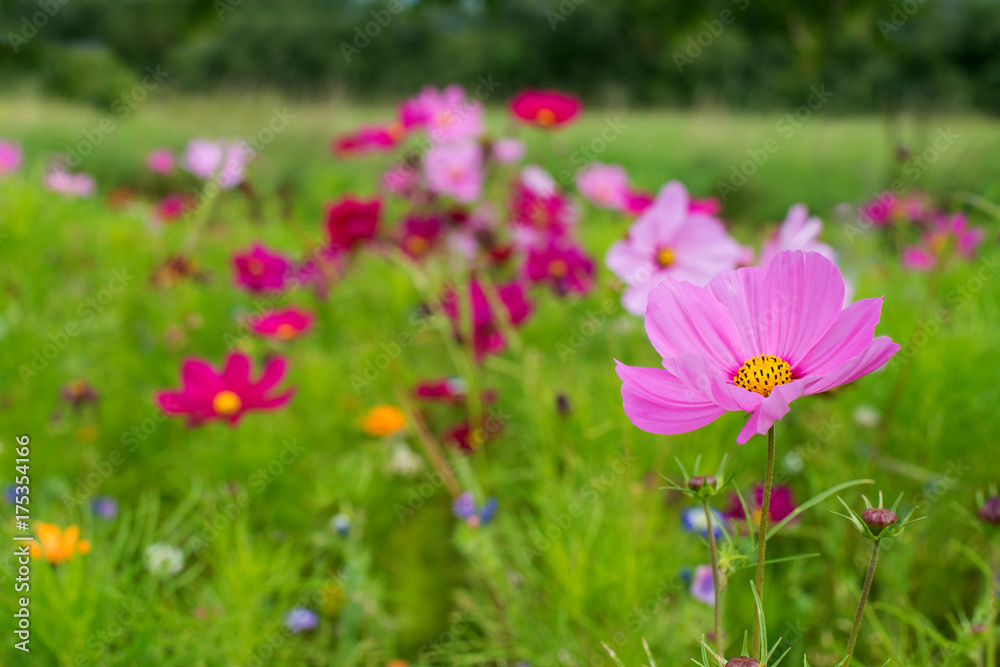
<point x="697" y="483"/>
<point x="742" y="661"/>
<point x="878" y="519"/>
<point x="990" y="511"/>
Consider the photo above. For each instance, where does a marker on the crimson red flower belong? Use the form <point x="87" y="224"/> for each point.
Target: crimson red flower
<point x="562" y="265"/>
<point x="461" y="436"/>
<point x="488" y="337"/>
<point x="260" y="269"/>
<point x="283" y="324"/>
<point x="545" y="108"/>
<point x="368" y="138"/>
<point x="350" y="221"/>
<point x="420" y="234"/>
<point x="208" y="394"/>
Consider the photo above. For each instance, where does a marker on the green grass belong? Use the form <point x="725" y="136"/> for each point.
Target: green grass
<point x="584" y="549"/>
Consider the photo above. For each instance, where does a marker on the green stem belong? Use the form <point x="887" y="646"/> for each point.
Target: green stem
<point x="714" y="559"/>
<point x="861" y="605"/>
<point x="468" y="316"/>
<point x="991" y="634"/>
<point x="765" y="511"/>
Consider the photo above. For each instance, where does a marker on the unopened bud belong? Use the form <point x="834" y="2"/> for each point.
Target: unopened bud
<point x="696" y="483"/>
<point x="742" y="661"/>
<point x="878" y="519"/>
<point x="990" y="511"/>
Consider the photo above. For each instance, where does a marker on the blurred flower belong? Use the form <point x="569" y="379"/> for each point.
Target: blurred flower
<point x="260" y="269"/>
<point x="702" y="585"/>
<point x="163" y="560"/>
<point x="226" y="395"/>
<point x="707" y="205"/>
<point x="866" y="416"/>
<point x="637" y="202"/>
<point x="797" y="232"/>
<point x="693" y="520"/>
<point x="74" y="185"/>
<point x="301" y="619"/>
<point x="752" y="341"/>
<point x="420" y="233"/>
<point x="538" y="209"/>
<point x="668" y="240"/>
<point x="604" y="185"/>
<point x="465" y="508"/>
<point x="283" y="324"/>
<point x="562" y="265"/>
<point x="464" y="439"/>
<point x="161" y="161"/>
<point x="57" y="545"/>
<point x="508" y="151"/>
<point x="782" y="504"/>
<point x="11" y="157"/>
<point x="446" y="390"/>
<point x="340" y="524"/>
<point x="403" y="461"/>
<point x="948" y="235"/>
<point x="351" y="221"/>
<point x="545" y="108"/>
<point x="172" y="207"/>
<point x="368" y="138"/>
<point x="383" y="421"/>
<point x="990" y="511"/>
<point x="78" y="393"/>
<point x="224" y="161"/>
<point x="455" y="170"/>
<point x="447" y="115"/>
<point x="105" y="507"/>
<point x="487" y="336"/>
<point x="401" y="180"/>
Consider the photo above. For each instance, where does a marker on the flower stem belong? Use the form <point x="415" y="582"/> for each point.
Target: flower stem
<point x="991" y="635"/>
<point x="861" y="605"/>
<point x="714" y="559"/>
<point x="765" y="511"/>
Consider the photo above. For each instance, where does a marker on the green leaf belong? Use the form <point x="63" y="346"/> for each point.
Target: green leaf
<point x="814" y="501"/>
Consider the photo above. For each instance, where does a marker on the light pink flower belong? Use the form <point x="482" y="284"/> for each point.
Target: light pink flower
<point x="161" y="161"/>
<point x="72" y="185"/>
<point x="455" y="170"/>
<point x="948" y="235"/>
<point x="11" y="157"/>
<point x="223" y="161"/>
<point x="797" y="232"/>
<point x="604" y="185"/>
<point x="508" y="151"/>
<point x="752" y="341"/>
<point x="447" y="115"/>
<point x="668" y="240"/>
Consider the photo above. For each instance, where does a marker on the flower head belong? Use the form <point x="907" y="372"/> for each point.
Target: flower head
<point x="455" y="170"/>
<point x="350" y="221"/>
<point x="11" y="157"/>
<point x="161" y="161"/>
<point x="752" y="341"/>
<point x="420" y="233"/>
<point x="260" y="269"/>
<point x="669" y="241"/>
<point x="797" y="232"/>
<point x="283" y="324"/>
<point x="693" y="520"/>
<point x="72" y="185"/>
<point x="383" y="421"/>
<point x="545" y="108"/>
<point x="465" y="508"/>
<point x="948" y="236"/>
<point x="877" y="522"/>
<point x="367" y="139"/>
<point x="487" y="332"/>
<point x="105" y="507"/>
<point x="163" y="560"/>
<point x="224" y="395"/>
<point x="445" y="390"/>
<point x="562" y="265"/>
<point x="172" y="207"/>
<point x="990" y="511"/>
<point x="301" y="619"/>
<point x="224" y="161"/>
<point x="539" y="210"/>
<point x="782" y="504"/>
<point x="702" y="585"/>
<point x="507" y="150"/>
<point x="57" y="545"/>
<point x="447" y="115"/>
<point x="340" y="523"/>
<point x="604" y="185"/>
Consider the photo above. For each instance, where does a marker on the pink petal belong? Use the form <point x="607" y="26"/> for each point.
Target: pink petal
<point x="237" y="372"/>
<point x="697" y="374"/>
<point x="681" y="317"/>
<point x="273" y="373"/>
<point x="629" y="262"/>
<point x="199" y="378"/>
<point x="771" y="409"/>
<point x="850" y="334"/>
<point x="873" y="357"/>
<point x="658" y="402"/>
<point x="742" y="293"/>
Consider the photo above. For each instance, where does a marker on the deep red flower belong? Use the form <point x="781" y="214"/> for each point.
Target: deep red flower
<point x="420" y="234"/>
<point x="207" y="394"/>
<point x="488" y="337"/>
<point x="350" y="221"/>
<point x="461" y="437"/>
<point x="782" y="504"/>
<point x="444" y="390"/>
<point x="562" y="265"/>
<point x="545" y="108"/>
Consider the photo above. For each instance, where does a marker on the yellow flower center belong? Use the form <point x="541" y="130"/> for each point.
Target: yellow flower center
<point x="284" y="332"/>
<point x="558" y="268"/>
<point x="763" y="373"/>
<point x="255" y="267"/>
<point x="417" y="245"/>
<point x="545" y="117"/>
<point x="665" y="257"/>
<point x="226" y="403"/>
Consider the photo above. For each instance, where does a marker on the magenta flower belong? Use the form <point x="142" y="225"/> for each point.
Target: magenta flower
<point x="488" y="336"/>
<point x="604" y="185"/>
<point x="11" y="157"/>
<point x="508" y="151"/>
<point x="283" y="324"/>
<point x="455" y="170"/>
<point x="782" y="504"/>
<point x="545" y="108"/>
<point x="709" y="205"/>
<point x="637" y="201"/>
<point x="562" y="265"/>
<point x="752" y="341"/>
<point x="538" y="209"/>
<point x="259" y="269"/>
<point x="161" y="161"/>
<point x="350" y="222"/>
<point x="172" y="207"/>
<point x="420" y="234"/>
<point x="947" y="236"/>
<point x="207" y="394"/>
<point x="797" y="232"/>
<point x="367" y="139"/>
<point x="451" y="391"/>
<point x="72" y="185"/>
<point x="668" y="240"/>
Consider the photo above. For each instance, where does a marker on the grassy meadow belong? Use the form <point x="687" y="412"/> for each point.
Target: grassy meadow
<point x="587" y="546"/>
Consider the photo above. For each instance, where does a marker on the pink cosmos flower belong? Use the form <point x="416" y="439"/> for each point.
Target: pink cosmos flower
<point x="539" y="209"/>
<point x="401" y="180"/>
<point x="797" y="232"/>
<point x="604" y="185"/>
<point x="227" y="395"/>
<point x="508" y="151"/>
<point x="668" y="240"/>
<point x="283" y="324"/>
<point x="420" y="234"/>
<point x="782" y="504"/>
<point x="637" y="201"/>
<point x="562" y="265"/>
<point x="72" y="185"/>
<point x="545" y="108"/>
<point x="455" y="170"/>
<point x="172" y="207"/>
<point x="752" y="341"/>
<point x="350" y="222"/>
<point x="223" y="161"/>
<point x="259" y="269"/>
<point x="947" y="235"/>
<point x="488" y="337"/>
<point x="446" y="115"/>
<point x="367" y="139"/>
<point x="161" y="161"/>
<point x="11" y="157"/>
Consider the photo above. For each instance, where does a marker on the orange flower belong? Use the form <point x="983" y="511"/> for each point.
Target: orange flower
<point x="57" y="545"/>
<point x="384" y="420"/>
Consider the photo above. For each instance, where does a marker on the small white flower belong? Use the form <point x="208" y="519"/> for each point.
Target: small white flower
<point x="163" y="560"/>
<point x="866" y="416"/>
<point x="404" y="461"/>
